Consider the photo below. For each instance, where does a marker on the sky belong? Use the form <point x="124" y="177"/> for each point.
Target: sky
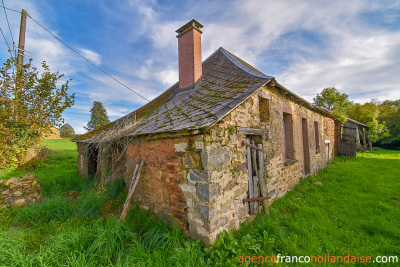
<point x="352" y="45"/>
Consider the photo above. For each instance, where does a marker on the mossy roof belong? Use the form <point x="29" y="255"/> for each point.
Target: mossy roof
<point x="226" y="82"/>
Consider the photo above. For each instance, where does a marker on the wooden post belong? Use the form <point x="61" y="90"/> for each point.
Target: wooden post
<point x="135" y="179"/>
<point x="364" y="139"/>
<point x="358" y="143"/>
<point x="250" y="172"/>
<point x="261" y="178"/>
<point x="256" y="190"/>
<point x="21" y="43"/>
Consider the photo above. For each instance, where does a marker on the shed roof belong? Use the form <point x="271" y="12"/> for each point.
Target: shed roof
<point x="358" y="123"/>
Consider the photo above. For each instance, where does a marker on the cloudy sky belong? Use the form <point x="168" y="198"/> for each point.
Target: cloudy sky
<point x="307" y="45"/>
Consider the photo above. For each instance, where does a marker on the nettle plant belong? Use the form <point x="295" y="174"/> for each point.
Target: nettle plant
<point x="31" y="102"/>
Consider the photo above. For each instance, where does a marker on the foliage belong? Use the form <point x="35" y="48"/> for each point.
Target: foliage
<point x="31" y="102"/>
<point x="368" y="113"/>
<point x="354" y="211"/>
<point x="390" y="116"/>
<point x="98" y="117"/>
<point x="331" y="99"/>
<point x="66" y="131"/>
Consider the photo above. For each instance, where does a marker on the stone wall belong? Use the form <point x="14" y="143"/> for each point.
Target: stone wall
<point x="201" y="180"/>
<point x="224" y="158"/>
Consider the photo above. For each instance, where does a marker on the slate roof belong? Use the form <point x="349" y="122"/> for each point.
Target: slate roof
<point x="227" y="81"/>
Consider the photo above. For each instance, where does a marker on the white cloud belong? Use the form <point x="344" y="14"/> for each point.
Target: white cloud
<point x="91" y="55"/>
<point x="316" y="44"/>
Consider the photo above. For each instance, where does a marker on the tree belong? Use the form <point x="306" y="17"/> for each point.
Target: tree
<point x="390" y="116"/>
<point x="331" y="99"/>
<point x="66" y="131"/>
<point x="31" y="102"/>
<point x="98" y="117"/>
<point x="369" y="113"/>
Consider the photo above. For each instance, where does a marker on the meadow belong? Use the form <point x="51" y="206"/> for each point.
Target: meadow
<point x="354" y="209"/>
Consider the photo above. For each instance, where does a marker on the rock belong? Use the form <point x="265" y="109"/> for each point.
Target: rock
<point x="17" y="193"/>
<point x="216" y="158"/>
<point x="10" y="181"/>
<point x="208" y="192"/>
<point x="15" y="185"/>
<point x="203" y="212"/>
<point x="198" y="175"/>
<point x="19" y="202"/>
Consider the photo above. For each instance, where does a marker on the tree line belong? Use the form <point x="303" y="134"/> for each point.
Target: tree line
<point x="383" y="117"/>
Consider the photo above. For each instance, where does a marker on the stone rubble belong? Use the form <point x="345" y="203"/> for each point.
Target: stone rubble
<point x="21" y="191"/>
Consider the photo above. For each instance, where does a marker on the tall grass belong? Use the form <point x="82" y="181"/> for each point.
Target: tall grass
<point x="356" y="210"/>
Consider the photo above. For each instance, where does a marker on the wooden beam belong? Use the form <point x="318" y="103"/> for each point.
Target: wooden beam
<point x="261" y="178"/>
<point x="135" y="179"/>
<point x="251" y="131"/>
<point x="250" y="174"/>
<point x="255" y="178"/>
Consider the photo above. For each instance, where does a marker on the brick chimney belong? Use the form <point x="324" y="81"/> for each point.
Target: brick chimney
<point x="189" y="49"/>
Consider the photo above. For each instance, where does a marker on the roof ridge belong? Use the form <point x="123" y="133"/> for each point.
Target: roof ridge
<point x="243" y="64"/>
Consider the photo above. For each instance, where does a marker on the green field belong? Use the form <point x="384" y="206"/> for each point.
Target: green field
<point x="356" y="210"/>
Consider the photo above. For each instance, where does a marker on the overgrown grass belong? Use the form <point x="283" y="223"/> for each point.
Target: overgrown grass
<point x="356" y="210"/>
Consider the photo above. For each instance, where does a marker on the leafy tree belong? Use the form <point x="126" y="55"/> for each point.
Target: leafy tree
<point x="390" y="116"/>
<point x="98" y="117"/>
<point x="66" y="131"/>
<point x="369" y="113"/>
<point x="31" y="102"/>
<point x="331" y="99"/>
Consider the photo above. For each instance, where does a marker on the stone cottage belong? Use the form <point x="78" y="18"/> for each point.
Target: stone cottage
<point x="216" y="145"/>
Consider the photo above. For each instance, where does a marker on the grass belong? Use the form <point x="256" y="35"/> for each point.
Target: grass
<point x="356" y="210"/>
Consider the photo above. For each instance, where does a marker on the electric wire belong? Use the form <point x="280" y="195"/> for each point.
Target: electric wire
<point x="83" y="95"/>
<point x="79" y="54"/>
<point x="94" y="65"/>
<point x="5" y="40"/>
<point x="8" y="23"/>
<point x="10" y="9"/>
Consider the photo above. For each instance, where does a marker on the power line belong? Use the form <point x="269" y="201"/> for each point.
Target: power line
<point x="97" y="101"/>
<point x="10" y="9"/>
<point x="8" y="23"/>
<point x="109" y="75"/>
<point x="9" y="49"/>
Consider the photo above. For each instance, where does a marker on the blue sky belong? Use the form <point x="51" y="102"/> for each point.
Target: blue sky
<point x="307" y="45"/>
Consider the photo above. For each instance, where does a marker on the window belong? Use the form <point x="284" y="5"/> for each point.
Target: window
<point x="288" y="135"/>
<point x="316" y="136"/>
<point x="264" y="109"/>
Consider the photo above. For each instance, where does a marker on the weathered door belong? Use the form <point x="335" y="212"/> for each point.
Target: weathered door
<point x="258" y="188"/>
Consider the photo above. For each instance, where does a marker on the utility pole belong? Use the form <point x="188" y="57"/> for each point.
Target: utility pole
<point x="20" y="60"/>
<point x="21" y="43"/>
